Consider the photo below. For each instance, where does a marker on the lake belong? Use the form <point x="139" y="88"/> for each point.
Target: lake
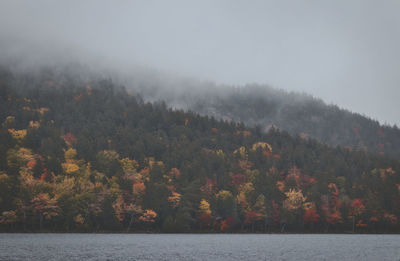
<point x="198" y="247"/>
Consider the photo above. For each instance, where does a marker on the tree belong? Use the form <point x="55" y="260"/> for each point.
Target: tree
<point x="357" y="208"/>
<point x="45" y="206"/>
<point x="204" y="213"/>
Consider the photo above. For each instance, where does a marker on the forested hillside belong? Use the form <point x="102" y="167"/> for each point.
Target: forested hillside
<point x="80" y="154"/>
<point x="298" y="114"/>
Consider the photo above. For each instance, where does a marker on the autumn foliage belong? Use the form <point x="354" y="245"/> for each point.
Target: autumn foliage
<point x="89" y="157"/>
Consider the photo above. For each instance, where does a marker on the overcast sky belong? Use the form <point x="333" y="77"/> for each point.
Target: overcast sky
<point x="345" y="52"/>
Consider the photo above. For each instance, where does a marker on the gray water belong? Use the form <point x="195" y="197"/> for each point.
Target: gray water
<point x="198" y="247"/>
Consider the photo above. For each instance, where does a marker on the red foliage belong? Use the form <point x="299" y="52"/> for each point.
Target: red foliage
<point x="205" y="219"/>
<point x="276" y="212"/>
<point x="78" y="97"/>
<point x="374" y="219"/>
<point x="267" y="153"/>
<point x="69" y="139"/>
<point x="89" y="89"/>
<point x="311" y="216"/>
<point x="277" y="156"/>
<point x="210" y="187"/>
<point x="357" y="207"/>
<point x="252" y="216"/>
<point x="238" y="179"/>
<point x="230" y="221"/>
<point x="31" y="164"/>
<point x="334" y="218"/>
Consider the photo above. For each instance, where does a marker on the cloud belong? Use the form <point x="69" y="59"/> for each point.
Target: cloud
<point x="345" y="52"/>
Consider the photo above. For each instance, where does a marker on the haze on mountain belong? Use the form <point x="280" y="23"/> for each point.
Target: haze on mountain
<point x="345" y="52"/>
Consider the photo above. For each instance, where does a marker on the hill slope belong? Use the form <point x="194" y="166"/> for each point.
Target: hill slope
<point x="83" y="155"/>
<point x="299" y="114"/>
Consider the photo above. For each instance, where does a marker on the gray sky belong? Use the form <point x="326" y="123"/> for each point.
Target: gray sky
<point x="345" y="52"/>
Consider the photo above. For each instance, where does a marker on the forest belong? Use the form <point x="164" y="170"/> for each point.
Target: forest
<point x="262" y="105"/>
<point x="89" y="155"/>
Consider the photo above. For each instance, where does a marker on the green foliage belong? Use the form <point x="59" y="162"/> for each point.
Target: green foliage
<point x="103" y="160"/>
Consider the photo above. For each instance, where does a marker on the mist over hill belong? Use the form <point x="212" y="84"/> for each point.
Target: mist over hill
<point x="266" y="107"/>
<point x="81" y="152"/>
<point x="252" y="104"/>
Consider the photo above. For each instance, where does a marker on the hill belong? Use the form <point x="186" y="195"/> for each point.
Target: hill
<point x="296" y="113"/>
<point x="82" y="154"/>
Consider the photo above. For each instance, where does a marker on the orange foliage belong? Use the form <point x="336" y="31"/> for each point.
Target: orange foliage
<point x="31" y="164"/>
<point x="175" y="173"/>
<point x="360" y="224"/>
<point x="224" y="225"/>
<point x="334" y="218"/>
<point x="174" y="199"/>
<point x="205" y="219"/>
<point x="280" y="185"/>
<point x="277" y="156"/>
<point x="310" y="216"/>
<point x="138" y="188"/>
<point x="357" y="207"/>
<point x="46" y="206"/>
<point x="252" y="216"/>
<point x="149" y="216"/>
<point x="374" y="219"/>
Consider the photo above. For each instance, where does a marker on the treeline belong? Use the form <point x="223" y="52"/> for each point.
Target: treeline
<point x="298" y="114"/>
<point x="80" y="155"/>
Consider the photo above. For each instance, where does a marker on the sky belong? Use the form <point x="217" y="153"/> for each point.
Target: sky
<point x="346" y="52"/>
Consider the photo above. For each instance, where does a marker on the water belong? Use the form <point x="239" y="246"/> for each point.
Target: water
<point x="198" y="247"/>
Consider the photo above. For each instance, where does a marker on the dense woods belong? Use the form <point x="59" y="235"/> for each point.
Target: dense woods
<point x="296" y="113"/>
<point x="79" y="155"/>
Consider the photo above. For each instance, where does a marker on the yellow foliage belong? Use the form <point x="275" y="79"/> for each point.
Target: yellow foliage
<point x="241" y="152"/>
<point x="220" y="153"/>
<point x="152" y="162"/>
<point x="224" y="195"/>
<point x="241" y="200"/>
<point x="18" y="134"/>
<point x="262" y="145"/>
<point x="26" y="177"/>
<point x="70" y="154"/>
<point x="204" y="207"/>
<point x="129" y="165"/>
<point x="8" y="217"/>
<point x="79" y="219"/>
<point x="3" y="177"/>
<point x="174" y="199"/>
<point x="9" y="120"/>
<point x="70" y="168"/>
<point x="34" y="124"/>
<point x="295" y="200"/>
<point x="66" y="186"/>
<point x="43" y="110"/>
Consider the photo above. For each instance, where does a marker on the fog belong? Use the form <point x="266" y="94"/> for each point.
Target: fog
<point x="345" y="52"/>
